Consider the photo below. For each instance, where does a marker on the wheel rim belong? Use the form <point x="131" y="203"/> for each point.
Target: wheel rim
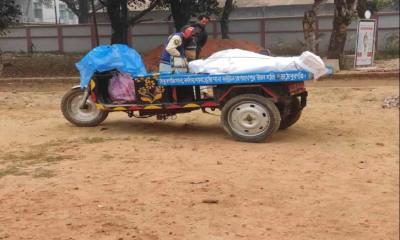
<point x="249" y="119"/>
<point x="83" y="115"/>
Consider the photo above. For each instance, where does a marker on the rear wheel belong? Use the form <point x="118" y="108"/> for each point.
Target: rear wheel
<point x="90" y="116"/>
<point x="250" y="118"/>
<point x="294" y="114"/>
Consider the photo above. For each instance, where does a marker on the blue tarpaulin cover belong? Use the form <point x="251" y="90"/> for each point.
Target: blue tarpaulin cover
<point x="109" y="57"/>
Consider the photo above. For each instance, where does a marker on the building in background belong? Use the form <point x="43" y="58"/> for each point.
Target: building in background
<point x="243" y="9"/>
<point x="35" y="11"/>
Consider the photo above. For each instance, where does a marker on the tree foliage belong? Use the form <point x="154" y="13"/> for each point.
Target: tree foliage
<point x="9" y="13"/>
<point x="181" y="12"/>
<point x="80" y="8"/>
<point x="375" y="6"/>
<point x="345" y="12"/>
<point x="206" y="7"/>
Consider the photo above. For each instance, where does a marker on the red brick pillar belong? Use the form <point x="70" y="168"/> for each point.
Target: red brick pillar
<point x="60" y="39"/>
<point x="130" y="36"/>
<point x="215" y="29"/>
<point x="262" y="33"/>
<point x="28" y="40"/>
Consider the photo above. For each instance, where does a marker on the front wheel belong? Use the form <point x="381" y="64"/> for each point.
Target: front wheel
<point x="90" y="116"/>
<point x="250" y="118"/>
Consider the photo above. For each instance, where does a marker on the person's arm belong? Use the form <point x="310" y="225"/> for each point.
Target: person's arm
<point x="203" y="39"/>
<point x="172" y="45"/>
<point x="191" y="48"/>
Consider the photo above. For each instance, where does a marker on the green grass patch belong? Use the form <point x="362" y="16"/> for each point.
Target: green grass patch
<point x="43" y="173"/>
<point x="107" y="157"/>
<point x="95" y="139"/>
<point x="387" y="55"/>
<point x="19" y="162"/>
<point x="153" y="139"/>
<point x="12" y="170"/>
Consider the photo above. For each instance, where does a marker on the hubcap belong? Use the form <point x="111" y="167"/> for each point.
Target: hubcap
<point x="84" y="115"/>
<point x="249" y="119"/>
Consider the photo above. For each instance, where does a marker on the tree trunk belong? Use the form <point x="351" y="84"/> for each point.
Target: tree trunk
<point x="181" y="12"/>
<point x="124" y="21"/>
<point x="118" y="13"/>
<point x="345" y="11"/>
<point x="224" y="22"/>
<point x="83" y="16"/>
<point x="338" y="39"/>
<point x="96" y="28"/>
<point x="310" y="29"/>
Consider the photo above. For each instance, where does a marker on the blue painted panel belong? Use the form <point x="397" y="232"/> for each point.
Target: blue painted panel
<point x="188" y="79"/>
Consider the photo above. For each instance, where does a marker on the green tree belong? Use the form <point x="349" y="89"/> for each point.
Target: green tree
<point x="206" y="7"/>
<point x="345" y="12"/>
<point x="9" y="13"/>
<point x="375" y="5"/>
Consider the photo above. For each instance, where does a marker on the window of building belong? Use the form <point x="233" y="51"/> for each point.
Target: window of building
<point x="71" y="15"/>
<point x="38" y="10"/>
<point x="63" y="13"/>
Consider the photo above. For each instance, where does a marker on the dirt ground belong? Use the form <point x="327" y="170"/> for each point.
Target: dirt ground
<point x="333" y="175"/>
<point x="39" y="65"/>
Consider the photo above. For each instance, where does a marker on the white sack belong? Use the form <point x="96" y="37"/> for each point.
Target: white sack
<point x="241" y="61"/>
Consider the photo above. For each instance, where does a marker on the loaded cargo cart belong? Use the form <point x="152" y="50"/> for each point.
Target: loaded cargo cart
<point x="253" y="105"/>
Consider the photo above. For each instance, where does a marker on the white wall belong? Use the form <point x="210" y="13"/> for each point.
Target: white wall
<point x="285" y="32"/>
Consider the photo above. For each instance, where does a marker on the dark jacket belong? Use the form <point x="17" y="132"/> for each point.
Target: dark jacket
<point x="165" y="56"/>
<point x="199" y="39"/>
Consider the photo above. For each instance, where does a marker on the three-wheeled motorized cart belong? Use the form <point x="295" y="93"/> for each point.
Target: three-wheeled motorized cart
<point x="253" y="106"/>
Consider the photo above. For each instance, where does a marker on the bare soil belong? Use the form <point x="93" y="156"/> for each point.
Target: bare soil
<point x="63" y="65"/>
<point x="333" y="175"/>
<point x="39" y="65"/>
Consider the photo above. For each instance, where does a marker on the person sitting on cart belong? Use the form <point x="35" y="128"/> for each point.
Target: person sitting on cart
<point x="173" y="55"/>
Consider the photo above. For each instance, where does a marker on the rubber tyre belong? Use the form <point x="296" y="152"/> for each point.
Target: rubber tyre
<point x="294" y="115"/>
<point x="268" y="109"/>
<point x="69" y="105"/>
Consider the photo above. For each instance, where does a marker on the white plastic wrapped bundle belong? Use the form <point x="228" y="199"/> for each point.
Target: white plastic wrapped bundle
<point x="241" y="61"/>
<point x="312" y="63"/>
